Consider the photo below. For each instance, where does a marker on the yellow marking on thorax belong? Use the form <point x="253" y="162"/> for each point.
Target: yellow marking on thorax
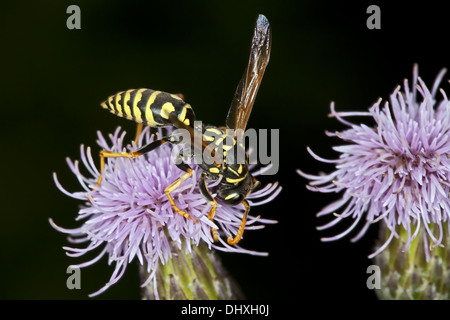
<point x="166" y="109"/>
<point x="218" y="141"/>
<point x="227" y="147"/>
<point x="214" y="130"/>
<point x="148" y="112"/>
<point x="126" y="107"/>
<point x="208" y="138"/>
<point x="235" y="180"/>
<point x="227" y="139"/>
<point x="214" y="170"/>
<point x="240" y="169"/>
<point x="137" y="112"/>
<point x="234" y="172"/>
<point x="187" y="122"/>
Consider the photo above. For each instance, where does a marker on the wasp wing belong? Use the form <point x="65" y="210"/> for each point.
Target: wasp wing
<point x="245" y="94"/>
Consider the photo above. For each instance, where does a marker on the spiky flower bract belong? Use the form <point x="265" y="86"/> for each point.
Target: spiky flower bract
<point x="128" y="216"/>
<point x="396" y="171"/>
<point x="408" y="275"/>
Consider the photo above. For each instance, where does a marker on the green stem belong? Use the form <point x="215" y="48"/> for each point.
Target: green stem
<point x="198" y="275"/>
<point x="408" y="275"/>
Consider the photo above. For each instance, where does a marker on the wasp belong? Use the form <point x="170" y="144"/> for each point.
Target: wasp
<point x="160" y="109"/>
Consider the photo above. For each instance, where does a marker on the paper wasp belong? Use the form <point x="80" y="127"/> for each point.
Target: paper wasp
<point x="160" y="109"/>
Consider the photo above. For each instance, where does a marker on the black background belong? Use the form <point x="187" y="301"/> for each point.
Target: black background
<point x="52" y="80"/>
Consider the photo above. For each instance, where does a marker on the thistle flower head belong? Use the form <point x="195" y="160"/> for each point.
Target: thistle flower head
<point x="396" y="171"/>
<point x="129" y="217"/>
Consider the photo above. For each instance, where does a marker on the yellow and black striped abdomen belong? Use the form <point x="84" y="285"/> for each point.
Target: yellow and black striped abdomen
<point x="149" y="107"/>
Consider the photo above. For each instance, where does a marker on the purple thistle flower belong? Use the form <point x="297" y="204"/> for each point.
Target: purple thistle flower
<point x="397" y="171"/>
<point x="128" y="216"/>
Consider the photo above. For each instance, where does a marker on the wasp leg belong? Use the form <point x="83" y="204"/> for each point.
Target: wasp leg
<point x="131" y="155"/>
<point x="240" y="231"/>
<point x="109" y="154"/>
<point x="205" y="193"/>
<point x="256" y="185"/>
<point x="183" y="166"/>
<point x="138" y="132"/>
